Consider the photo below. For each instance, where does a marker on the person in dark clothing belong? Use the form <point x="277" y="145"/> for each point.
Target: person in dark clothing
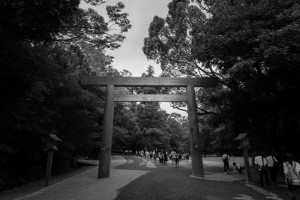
<point x="273" y="167"/>
<point x="165" y="158"/>
<point x="238" y="167"/>
<point x="187" y="157"/>
<point x="225" y="159"/>
<point x="262" y="168"/>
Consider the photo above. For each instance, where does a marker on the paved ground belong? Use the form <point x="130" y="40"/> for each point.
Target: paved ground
<point x="81" y="184"/>
<point x="133" y="178"/>
<point x="166" y="182"/>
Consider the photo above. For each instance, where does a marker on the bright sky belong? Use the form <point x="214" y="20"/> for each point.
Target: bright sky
<point x="130" y="55"/>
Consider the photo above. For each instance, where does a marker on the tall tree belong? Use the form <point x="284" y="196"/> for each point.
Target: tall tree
<point x="44" y="45"/>
<point x="62" y="21"/>
<point x="250" y="46"/>
<point x="177" y="127"/>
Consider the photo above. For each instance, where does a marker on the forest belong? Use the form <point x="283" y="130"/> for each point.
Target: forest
<point x="253" y="48"/>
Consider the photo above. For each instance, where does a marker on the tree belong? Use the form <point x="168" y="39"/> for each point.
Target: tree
<point x="250" y="46"/>
<point x="177" y="127"/>
<point x="44" y="46"/>
<point x="61" y="21"/>
<point x="171" y="41"/>
<point x="52" y="102"/>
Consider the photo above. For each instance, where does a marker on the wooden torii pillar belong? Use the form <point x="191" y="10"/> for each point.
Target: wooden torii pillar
<point x="111" y="97"/>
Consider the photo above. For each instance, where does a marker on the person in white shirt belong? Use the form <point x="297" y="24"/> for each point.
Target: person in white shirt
<point x="291" y="170"/>
<point x="262" y="168"/>
<point x="225" y="159"/>
<point x="273" y="167"/>
<point x="142" y="154"/>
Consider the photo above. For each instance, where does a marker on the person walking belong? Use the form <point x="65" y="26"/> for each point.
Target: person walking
<point x="272" y="166"/>
<point x="187" y="157"/>
<point x="173" y="157"/>
<point x="262" y="168"/>
<point x="142" y="154"/>
<point x="161" y="158"/>
<point x="225" y="158"/>
<point x="291" y="171"/>
<point x="180" y="156"/>
<point x="177" y="158"/>
<point x="154" y="156"/>
<point x="147" y="155"/>
<point x="165" y="158"/>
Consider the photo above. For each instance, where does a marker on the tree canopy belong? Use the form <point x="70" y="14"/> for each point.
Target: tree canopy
<point x="45" y="45"/>
<point x="62" y="21"/>
<point x="253" y="47"/>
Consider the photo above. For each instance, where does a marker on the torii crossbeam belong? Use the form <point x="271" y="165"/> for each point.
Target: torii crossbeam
<point x="111" y="97"/>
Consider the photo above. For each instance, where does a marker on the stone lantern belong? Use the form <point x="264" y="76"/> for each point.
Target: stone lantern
<point x="51" y="147"/>
<point x="245" y="145"/>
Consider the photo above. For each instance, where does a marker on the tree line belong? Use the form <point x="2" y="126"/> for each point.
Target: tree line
<point x="253" y="48"/>
<point x="45" y="46"/>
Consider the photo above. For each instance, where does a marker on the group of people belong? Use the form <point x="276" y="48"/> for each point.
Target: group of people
<point x="238" y="167"/>
<point x="163" y="156"/>
<point x="265" y="163"/>
<point x="267" y="166"/>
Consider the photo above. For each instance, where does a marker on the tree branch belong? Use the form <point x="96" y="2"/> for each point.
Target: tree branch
<point x="204" y="112"/>
<point x="178" y="108"/>
<point x="202" y="7"/>
<point x="202" y="70"/>
<point x="67" y="39"/>
<point x="212" y="73"/>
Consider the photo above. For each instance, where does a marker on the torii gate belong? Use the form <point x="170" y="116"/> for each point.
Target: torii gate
<point x="111" y="97"/>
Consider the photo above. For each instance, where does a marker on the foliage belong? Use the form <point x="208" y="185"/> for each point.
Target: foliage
<point x="251" y="46"/>
<point x="150" y="127"/>
<point x="155" y="129"/>
<point x="44" y="46"/>
<point x="52" y="102"/>
<point x="42" y="55"/>
<point x="177" y="128"/>
<point x="62" y="21"/>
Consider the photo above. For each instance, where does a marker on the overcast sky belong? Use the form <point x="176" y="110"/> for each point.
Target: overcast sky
<point x="130" y="55"/>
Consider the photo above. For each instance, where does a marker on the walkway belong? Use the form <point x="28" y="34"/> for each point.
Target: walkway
<point x="83" y="186"/>
<point x="133" y="178"/>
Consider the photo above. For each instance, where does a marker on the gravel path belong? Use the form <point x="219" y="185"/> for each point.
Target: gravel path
<point x="81" y="184"/>
<point x="133" y="178"/>
<point x="168" y="183"/>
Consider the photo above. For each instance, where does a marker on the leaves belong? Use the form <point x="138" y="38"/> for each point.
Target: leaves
<point x="251" y="46"/>
<point x="62" y="21"/>
<point x="44" y="47"/>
